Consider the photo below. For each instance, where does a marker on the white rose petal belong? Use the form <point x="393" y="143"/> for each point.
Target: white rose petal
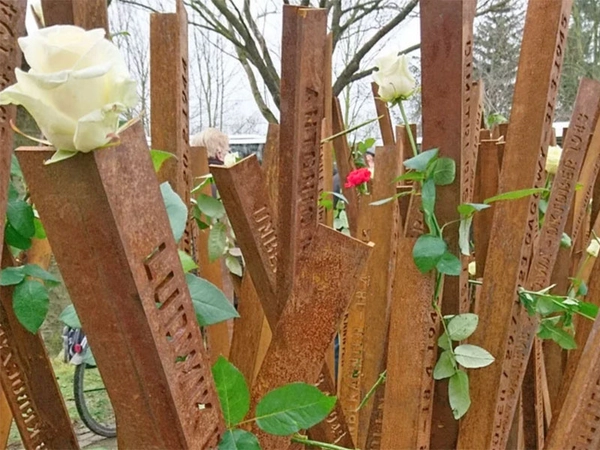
<point x="553" y="159"/>
<point x="593" y="248"/>
<point x="230" y="159"/>
<point x="77" y="88"/>
<point x="393" y="77"/>
<point x="472" y="268"/>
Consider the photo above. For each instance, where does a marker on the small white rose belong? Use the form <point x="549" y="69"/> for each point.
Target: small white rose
<point x="593" y="248"/>
<point x="553" y="159"/>
<point x="393" y="77"/>
<point x="472" y="268"/>
<point x="77" y="88"/>
<point x="230" y="159"/>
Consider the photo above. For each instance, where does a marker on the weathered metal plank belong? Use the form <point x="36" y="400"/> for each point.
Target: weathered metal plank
<point x="515" y="222"/>
<point x="27" y="378"/>
<point x="304" y="45"/>
<point x="90" y="14"/>
<point x="385" y="121"/>
<point x="326" y="167"/>
<point x="5" y="419"/>
<point x="169" y="97"/>
<point x="270" y="166"/>
<point x="243" y="192"/>
<point x="117" y="279"/>
<point x="58" y="12"/>
<point x="408" y="402"/>
<point x="217" y="334"/>
<point x="383" y="219"/>
<point x="446" y="52"/>
<point x="318" y="302"/>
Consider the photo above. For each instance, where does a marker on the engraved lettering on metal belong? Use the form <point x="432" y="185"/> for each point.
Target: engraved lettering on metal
<point x="268" y="237"/>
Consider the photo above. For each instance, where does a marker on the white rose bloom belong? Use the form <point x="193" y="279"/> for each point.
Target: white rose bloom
<point x="472" y="268"/>
<point x="593" y="248"/>
<point x="393" y="77"/>
<point x="230" y="159"/>
<point x="553" y="159"/>
<point x="76" y="89"/>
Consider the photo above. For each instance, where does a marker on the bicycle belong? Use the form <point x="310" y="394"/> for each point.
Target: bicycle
<point x="91" y="398"/>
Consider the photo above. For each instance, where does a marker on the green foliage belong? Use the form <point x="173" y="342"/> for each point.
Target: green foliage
<point x="239" y="440"/>
<point x="217" y="241"/>
<point x="69" y="317"/>
<point x="159" y="157"/>
<point x="291" y="408"/>
<point x="428" y="251"/>
<point x="176" y="210"/>
<point x="30" y="304"/>
<point x="210" y="206"/>
<point x="210" y="304"/>
<point x="458" y="393"/>
<point x="187" y="262"/>
<point x="462" y="326"/>
<point x="233" y="392"/>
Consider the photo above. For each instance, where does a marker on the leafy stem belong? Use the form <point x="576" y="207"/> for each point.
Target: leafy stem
<point x="379" y="382"/>
<point x="301" y="439"/>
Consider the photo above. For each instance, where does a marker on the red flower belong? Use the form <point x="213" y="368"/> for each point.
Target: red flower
<point x="357" y="177"/>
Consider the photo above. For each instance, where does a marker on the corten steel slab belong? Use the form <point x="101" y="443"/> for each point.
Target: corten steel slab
<point x="119" y="261"/>
<point x="87" y="14"/>
<point x="270" y="166"/>
<point x="326" y="167"/>
<point x="244" y="196"/>
<point x="575" y="425"/>
<point x="345" y="165"/>
<point x="304" y="43"/>
<point x="217" y="334"/>
<point x="326" y="282"/>
<point x="12" y="26"/>
<point x="446" y="54"/>
<point x="385" y="121"/>
<point x="546" y="251"/>
<point x="412" y="321"/>
<point x="5" y="419"/>
<point x="169" y="97"/>
<point x="486" y="186"/>
<point x="515" y="222"/>
<point x="28" y="381"/>
<point x="58" y="12"/>
<point x="382" y="234"/>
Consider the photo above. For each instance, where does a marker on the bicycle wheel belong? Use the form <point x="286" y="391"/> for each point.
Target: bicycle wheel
<point x="92" y="402"/>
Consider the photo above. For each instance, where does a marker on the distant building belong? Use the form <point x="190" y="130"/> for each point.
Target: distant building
<point x="247" y="144"/>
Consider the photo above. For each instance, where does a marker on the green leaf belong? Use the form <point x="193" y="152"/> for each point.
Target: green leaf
<point x="449" y="264"/>
<point x="582" y="289"/>
<point x="210" y="303"/>
<point x="428" y="197"/>
<point x="234" y="266"/>
<point x="14" y="239"/>
<point x="341" y="197"/>
<point x="409" y="176"/>
<point x="30" y="303"/>
<point x="187" y="261"/>
<point x="588" y="309"/>
<point x="176" y="210"/>
<point x="464" y="235"/>
<point x="239" y="440"/>
<point x="458" y="394"/>
<point x="545" y="304"/>
<point x="69" y="317"/>
<point x="467" y="209"/>
<point x="422" y="160"/>
<point x="291" y="408"/>
<point x="234" y="395"/>
<point x="462" y="326"/>
<point x="472" y="356"/>
<point x="88" y="357"/>
<point x="565" y="241"/>
<point x="445" y="366"/>
<point x="40" y="232"/>
<point x="10" y="276"/>
<point x="443" y="171"/>
<point x="15" y="169"/>
<point x="35" y="271"/>
<point x="550" y="330"/>
<point x="383" y="201"/>
<point x="20" y="215"/>
<point x="514" y="195"/>
<point x="159" y="157"/>
<point x="428" y="251"/>
<point x="444" y="342"/>
<point x="217" y="241"/>
<point x="210" y="206"/>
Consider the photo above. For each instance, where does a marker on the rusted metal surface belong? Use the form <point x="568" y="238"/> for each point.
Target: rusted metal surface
<point x="406" y="152"/>
<point x="28" y="381"/>
<point x="58" y="12"/>
<point x="409" y="401"/>
<point x="5" y="419"/>
<point x="158" y="377"/>
<point x="381" y="267"/>
<point x="304" y="45"/>
<point x="247" y="330"/>
<point x="486" y="186"/>
<point x="317" y="302"/>
<point x="217" y="334"/>
<point x="487" y="424"/>
<point x="169" y="97"/>
<point x="270" y="166"/>
<point x="575" y="426"/>
<point x="90" y="14"/>
<point x="446" y="52"/>
<point x="546" y="252"/>
<point x="326" y="167"/>
<point x="244" y="196"/>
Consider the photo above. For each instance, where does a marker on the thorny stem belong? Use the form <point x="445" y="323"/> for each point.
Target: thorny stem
<point x="378" y="383"/>
<point x="408" y="129"/>
<point x="439" y="278"/>
<point x="301" y="439"/>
